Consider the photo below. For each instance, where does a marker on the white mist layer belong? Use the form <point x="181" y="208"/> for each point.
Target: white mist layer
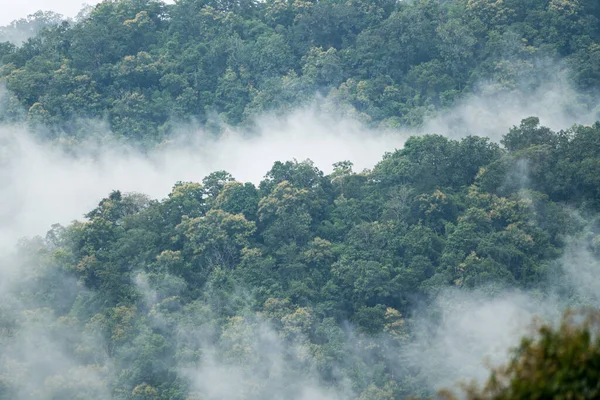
<point x="476" y="332"/>
<point x="491" y="112"/>
<point x="42" y="184"/>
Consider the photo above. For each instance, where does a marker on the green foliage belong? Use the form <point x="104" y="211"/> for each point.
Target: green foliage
<point x="227" y="273"/>
<point x="217" y="271"/>
<point x="142" y="65"/>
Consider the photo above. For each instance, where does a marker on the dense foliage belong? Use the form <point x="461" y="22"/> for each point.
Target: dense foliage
<point x="308" y="285"/>
<point x="227" y="283"/>
<point x="141" y="65"/>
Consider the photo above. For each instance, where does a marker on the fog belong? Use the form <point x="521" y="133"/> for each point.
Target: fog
<point x="43" y="183"/>
<point x="493" y="109"/>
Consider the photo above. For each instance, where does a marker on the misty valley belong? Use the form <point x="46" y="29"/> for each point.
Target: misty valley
<point x="285" y="199"/>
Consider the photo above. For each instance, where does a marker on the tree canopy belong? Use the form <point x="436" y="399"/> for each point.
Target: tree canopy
<point x="144" y="66"/>
<point x="306" y="277"/>
<point x="307" y="285"/>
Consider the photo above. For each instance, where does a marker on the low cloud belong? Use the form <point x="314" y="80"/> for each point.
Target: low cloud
<point x="44" y="183"/>
<point x="492" y="110"/>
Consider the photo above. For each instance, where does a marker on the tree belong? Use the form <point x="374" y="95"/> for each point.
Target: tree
<point x="214" y="183"/>
<point x="285" y="215"/>
<point x="528" y="134"/>
<point x="217" y="238"/>
<point x="238" y="198"/>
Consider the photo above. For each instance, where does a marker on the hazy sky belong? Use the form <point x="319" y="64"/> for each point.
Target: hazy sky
<point x="15" y="9"/>
<point x="12" y="9"/>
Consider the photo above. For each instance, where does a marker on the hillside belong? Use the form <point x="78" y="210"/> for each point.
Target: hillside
<point x="144" y="66"/>
<point x="383" y="283"/>
<point x="308" y="282"/>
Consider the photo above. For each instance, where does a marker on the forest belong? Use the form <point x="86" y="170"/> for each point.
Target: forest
<point x="143" y="66"/>
<point x="341" y="285"/>
<point x="304" y="280"/>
